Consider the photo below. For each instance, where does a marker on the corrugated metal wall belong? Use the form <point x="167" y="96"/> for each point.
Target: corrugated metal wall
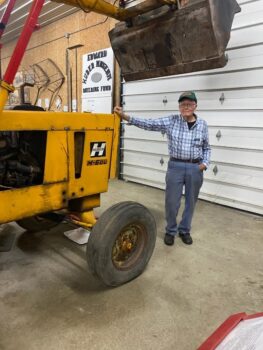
<point x="229" y="99"/>
<point x="51" y="12"/>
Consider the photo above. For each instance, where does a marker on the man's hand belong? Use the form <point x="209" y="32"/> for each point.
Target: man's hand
<point x="202" y="167"/>
<point x="118" y="110"/>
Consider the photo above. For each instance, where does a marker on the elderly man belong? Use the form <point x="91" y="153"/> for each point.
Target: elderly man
<point x="189" y="151"/>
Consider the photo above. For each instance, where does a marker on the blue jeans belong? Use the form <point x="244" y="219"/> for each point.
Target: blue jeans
<point x="181" y="175"/>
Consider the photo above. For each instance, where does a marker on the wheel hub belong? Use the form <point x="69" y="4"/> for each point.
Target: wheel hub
<point x="125" y="246"/>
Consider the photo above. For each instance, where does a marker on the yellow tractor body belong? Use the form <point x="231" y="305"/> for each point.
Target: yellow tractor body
<point x="79" y="158"/>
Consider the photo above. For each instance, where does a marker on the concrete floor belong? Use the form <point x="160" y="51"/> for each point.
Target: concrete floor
<point x="48" y="299"/>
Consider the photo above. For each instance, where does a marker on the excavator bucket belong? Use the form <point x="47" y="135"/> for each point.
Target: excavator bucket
<point x="174" y="40"/>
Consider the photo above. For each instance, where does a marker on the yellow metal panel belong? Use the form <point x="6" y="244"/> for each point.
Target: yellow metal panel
<point x="3" y="97"/>
<point x="56" y="162"/>
<point x="95" y="170"/>
<point x="34" y="120"/>
<point x="114" y="154"/>
<point x="84" y="203"/>
<point x="86" y="219"/>
<point x="24" y="202"/>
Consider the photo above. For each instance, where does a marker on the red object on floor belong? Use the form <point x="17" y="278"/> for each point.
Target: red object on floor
<point x="222" y="331"/>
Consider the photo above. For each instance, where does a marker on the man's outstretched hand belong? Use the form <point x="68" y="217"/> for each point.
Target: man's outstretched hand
<point x="118" y="110"/>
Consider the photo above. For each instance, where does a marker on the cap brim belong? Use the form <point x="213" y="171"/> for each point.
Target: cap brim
<point x="187" y="98"/>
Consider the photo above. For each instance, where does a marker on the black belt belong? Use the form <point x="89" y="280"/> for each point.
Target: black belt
<point x="198" y="160"/>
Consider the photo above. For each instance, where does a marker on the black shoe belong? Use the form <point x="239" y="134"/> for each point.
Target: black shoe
<point x="186" y="238"/>
<point x="168" y="239"/>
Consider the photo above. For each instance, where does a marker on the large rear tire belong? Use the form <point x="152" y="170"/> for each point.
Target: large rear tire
<point x="121" y="243"/>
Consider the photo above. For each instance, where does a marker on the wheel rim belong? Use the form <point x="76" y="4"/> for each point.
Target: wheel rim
<point x="129" y="246"/>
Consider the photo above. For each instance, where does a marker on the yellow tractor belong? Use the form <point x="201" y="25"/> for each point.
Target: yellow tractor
<point x="51" y="162"/>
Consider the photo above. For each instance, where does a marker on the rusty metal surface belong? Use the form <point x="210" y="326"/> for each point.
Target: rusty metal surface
<point x="167" y="42"/>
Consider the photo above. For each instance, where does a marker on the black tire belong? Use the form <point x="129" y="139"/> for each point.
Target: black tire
<point x="40" y="222"/>
<point x="121" y="243"/>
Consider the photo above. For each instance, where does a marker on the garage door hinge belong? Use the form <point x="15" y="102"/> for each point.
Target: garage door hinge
<point x="165" y="100"/>
<point x="222" y="98"/>
<point x="218" y="135"/>
<point x="215" y="170"/>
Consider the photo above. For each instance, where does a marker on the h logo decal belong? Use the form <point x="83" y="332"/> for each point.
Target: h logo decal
<point x="98" y="149"/>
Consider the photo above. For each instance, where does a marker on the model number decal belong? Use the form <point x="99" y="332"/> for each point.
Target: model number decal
<point x="97" y="149"/>
<point x="97" y="162"/>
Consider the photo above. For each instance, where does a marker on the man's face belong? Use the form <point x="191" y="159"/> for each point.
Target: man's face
<point x="187" y="107"/>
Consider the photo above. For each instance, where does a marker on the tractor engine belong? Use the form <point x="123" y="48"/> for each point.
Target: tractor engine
<point x="22" y="157"/>
<point x="19" y="165"/>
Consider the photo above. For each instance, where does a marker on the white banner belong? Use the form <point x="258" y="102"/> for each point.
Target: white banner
<point x="97" y="81"/>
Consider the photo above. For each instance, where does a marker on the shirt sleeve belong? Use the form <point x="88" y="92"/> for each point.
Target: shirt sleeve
<point x="159" y="124"/>
<point x="206" y="146"/>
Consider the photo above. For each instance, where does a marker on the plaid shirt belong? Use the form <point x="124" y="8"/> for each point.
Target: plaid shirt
<point x="182" y="142"/>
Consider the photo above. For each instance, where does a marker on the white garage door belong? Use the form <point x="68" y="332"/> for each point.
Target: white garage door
<point x="229" y="99"/>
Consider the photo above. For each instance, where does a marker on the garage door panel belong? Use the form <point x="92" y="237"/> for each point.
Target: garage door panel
<point x="250" y="138"/>
<point x="233" y="118"/>
<point x="231" y="80"/>
<point x="167" y="103"/>
<point x="214" y="118"/>
<point x="236" y="175"/>
<point x="222" y="193"/>
<point x="231" y="193"/>
<point x="251" y="207"/>
<point x="220" y="153"/>
<point x="237" y="137"/>
<point x="232" y="174"/>
<point x="145" y="146"/>
<point x="241" y="59"/>
<point x="147" y="160"/>
<point x="143" y="181"/>
<point x="246" y="36"/>
<point x="151" y="175"/>
<point x="237" y="156"/>
<point x="138" y="133"/>
<point x="252" y="12"/>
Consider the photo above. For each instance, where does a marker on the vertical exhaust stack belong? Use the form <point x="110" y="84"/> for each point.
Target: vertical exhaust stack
<point x="169" y="41"/>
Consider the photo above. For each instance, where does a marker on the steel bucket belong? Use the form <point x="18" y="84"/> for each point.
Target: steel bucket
<point x="168" y="42"/>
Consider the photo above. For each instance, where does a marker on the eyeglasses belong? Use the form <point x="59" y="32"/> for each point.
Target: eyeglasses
<point x="187" y="105"/>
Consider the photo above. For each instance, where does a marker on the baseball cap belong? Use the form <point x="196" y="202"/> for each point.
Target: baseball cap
<point x="189" y="95"/>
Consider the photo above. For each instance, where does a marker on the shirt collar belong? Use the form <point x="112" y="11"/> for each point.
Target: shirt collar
<point x="196" y="117"/>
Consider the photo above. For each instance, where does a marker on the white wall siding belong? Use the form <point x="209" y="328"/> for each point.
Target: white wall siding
<point x="229" y="99"/>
